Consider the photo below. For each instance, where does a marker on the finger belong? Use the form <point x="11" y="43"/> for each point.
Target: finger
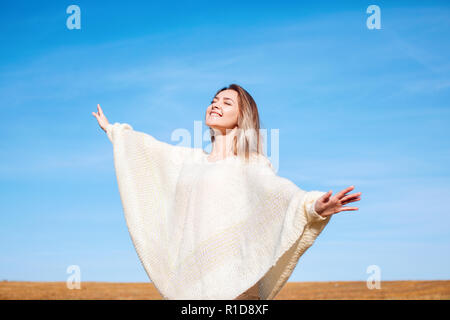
<point x="348" y="209"/>
<point x="350" y="196"/>
<point x="351" y="200"/>
<point x="100" y="109"/>
<point x="94" y="114"/>
<point x="341" y="193"/>
<point x="327" y="195"/>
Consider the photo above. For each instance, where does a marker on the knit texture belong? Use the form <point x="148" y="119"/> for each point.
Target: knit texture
<point x="210" y="230"/>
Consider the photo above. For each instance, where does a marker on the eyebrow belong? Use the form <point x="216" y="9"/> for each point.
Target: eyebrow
<point x="224" y="98"/>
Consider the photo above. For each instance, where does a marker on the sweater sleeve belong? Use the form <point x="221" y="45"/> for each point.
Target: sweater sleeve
<point x="122" y="135"/>
<point x="283" y="190"/>
<point x="293" y="213"/>
<point x="310" y="208"/>
<point x="147" y="172"/>
<point x="109" y="129"/>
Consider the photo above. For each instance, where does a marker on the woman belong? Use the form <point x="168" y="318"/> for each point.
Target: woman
<point x="221" y="225"/>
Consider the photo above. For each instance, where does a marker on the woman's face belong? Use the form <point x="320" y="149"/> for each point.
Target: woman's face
<point x="223" y="111"/>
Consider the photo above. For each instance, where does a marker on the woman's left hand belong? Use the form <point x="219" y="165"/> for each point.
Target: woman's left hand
<point x="328" y="205"/>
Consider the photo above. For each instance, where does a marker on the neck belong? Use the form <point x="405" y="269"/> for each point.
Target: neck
<point x="222" y="146"/>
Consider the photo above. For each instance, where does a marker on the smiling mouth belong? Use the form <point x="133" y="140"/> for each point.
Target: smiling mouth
<point x="214" y="114"/>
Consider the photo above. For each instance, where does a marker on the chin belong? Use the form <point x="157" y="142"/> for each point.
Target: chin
<point x="212" y="124"/>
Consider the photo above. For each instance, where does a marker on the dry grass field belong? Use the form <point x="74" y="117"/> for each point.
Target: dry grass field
<point x="349" y="290"/>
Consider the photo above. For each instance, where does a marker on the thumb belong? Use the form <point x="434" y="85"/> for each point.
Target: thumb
<point x="327" y="195"/>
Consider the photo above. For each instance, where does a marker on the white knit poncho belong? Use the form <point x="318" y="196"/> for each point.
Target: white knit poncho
<point x="210" y="230"/>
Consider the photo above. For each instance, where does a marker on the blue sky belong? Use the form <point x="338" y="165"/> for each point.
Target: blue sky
<point x="354" y="106"/>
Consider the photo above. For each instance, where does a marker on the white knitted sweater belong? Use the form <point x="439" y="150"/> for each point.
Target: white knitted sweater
<point x="210" y="230"/>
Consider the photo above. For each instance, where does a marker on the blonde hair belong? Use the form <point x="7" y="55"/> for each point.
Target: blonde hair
<point x="248" y="140"/>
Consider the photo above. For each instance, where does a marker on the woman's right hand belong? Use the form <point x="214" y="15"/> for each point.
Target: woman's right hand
<point x="102" y="121"/>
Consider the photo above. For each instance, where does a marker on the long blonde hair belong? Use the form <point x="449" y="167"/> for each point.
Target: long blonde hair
<point x="248" y="139"/>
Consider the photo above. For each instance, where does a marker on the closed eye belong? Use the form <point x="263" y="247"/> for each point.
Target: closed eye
<point x="229" y="104"/>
